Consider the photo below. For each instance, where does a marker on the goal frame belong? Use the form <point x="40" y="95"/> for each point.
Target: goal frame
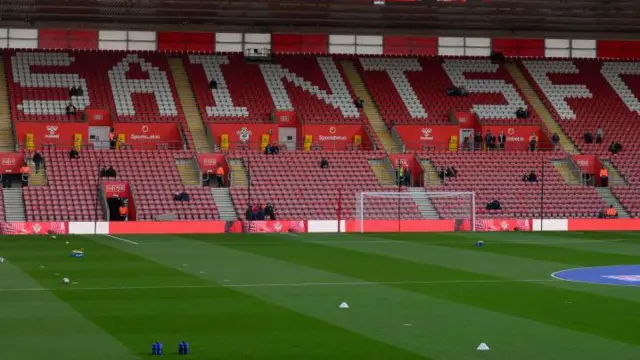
<point x="408" y="195"/>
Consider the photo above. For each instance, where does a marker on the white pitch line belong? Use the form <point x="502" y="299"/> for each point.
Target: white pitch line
<point x="121" y="239"/>
<point x="305" y="284"/>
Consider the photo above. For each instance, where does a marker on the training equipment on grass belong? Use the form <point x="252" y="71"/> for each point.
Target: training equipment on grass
<point x="483" y="347"/>
<point x="480" y="243"/>
<point x="1" y="260"/>
<point x="78" y="253"/>
<point x="156" y="348"/>
<point x="66" y="281"/>
<point x="344" y="305"/>
<point x="458" y="206"/>
<point x="183" y="348"/>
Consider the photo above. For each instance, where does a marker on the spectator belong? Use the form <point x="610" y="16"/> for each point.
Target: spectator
<point x="477" y="141"/>
<point x="324" y="163"/>
<point x="501" y="140"/>
<point x="270" y="212"/>
<point x="79" y="91"/>
<point x="615" y="148"/>
<point x="181" y="196"/>
<point x="113" y="138"/>
<point x="213" y="84"/>
<point x="407" y="176"/>
<point x="449" y="172"/>
<point x="488" y="140"/>
<point x="206" y="178"/>
<point x="522" y="113"/>
<point x="73" y="154"/>
<point x="220" y="175"/>
<point x="442" y="173"/>
<point x="494" y="205"/>
<point x="588" y="137"/>
<point x="24" y="172"/>
<point x="530" y="177"/>
<point x="73" y="91"/>
<point x="111" y="172"/>
<point x="359" y="103"/>
<point x="604" y="177"/>
<point x="533" y="142"/>
<point x="248" y="214"/>
<point x="37" y="160"/>
<point x="611" y="212"/>
<point x="555" y="140"/>
<point x="259" y="213"/>
<point x="276" y="148"/>
<point x="6" y="181"/>
<point x="70" y="109"/>
<point x="599" y="135"/>
<point x="455" y="171"/>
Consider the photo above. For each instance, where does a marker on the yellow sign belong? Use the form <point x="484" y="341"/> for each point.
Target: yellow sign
<point x="453" y="143"/>
<point x="224" y="142"/>
<point x="264" y="141"/>
<point x="121" y="140"/>
<point x="28" y="142"/>
<point x="308" y="140"/>
<point x="77" y="142"/>
<point x="357" y="140"/>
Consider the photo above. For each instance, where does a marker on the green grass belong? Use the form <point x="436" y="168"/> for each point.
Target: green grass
<point x="411" y="296"/>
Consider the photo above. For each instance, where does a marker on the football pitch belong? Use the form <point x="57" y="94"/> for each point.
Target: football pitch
<point x="277" y="296"/>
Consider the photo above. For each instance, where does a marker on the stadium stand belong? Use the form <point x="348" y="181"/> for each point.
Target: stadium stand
<point x="583" y="95"/>
<point x="498" y="176"/>
<point x="300" y="189"/>
<point x="421" y="83"/>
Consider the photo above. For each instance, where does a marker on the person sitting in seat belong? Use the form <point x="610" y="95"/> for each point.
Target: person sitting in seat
<point x="530" y="177"/>
<point x="615" y="148"/>
<point x="73" y="91"/>
<point x="555" y="140"/>
<point x="276" y="148"/>
<point x="588" y="137"/>
<point x="70" y="109"/>
<point x="442" y="173"/>
<point x="181" y="196"/>
<point x="73" y="154"/>
<point x="111" y="172"/>
<point x="248" y="214"/>
<point x="449" y="172"/>
<point x="324" y="163"/>
<point x="611" y="212"/>
<point x="358" y="103"/>
<point x="494" y="205"/>
<point x="79" y="91"/>
<point x="213" y="84"/>
<point x="521" y="113"/>
<point x="270" y="212"/>
<point x="599" y="135"/>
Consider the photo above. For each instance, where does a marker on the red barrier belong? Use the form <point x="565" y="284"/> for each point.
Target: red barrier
<point x="167" y="227"/>
<point x="58" y="134"/>
<point x="33" y="228"/>
<point x="604" y="224"/>
<point x="10" y="163"/>
<point x="589" y="164"/>
<point x="415" y="137"/>
<point x="438" y="225"/>
<point x="210" y="162"/>
<point x="336" y="137"/>
<point x="149" y="136"/>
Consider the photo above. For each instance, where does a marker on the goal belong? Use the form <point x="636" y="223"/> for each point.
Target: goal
<point x="382" y="211"/>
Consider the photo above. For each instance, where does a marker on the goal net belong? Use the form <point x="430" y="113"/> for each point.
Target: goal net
<point x="386" y="211"/>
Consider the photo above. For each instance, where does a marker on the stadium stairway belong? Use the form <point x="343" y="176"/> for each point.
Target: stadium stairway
<point x="189" y="106"/>
<point x="430" y="173"/>
<point x="389" y="144"/>
<point x="570" y="176"/>
<point x="419" y="196"/>
<point x="540" y="108"/>
<point x="6" y="132"/>
<point x="239" y="175"/>
<point x="188" y="172"/>
<point x="222" y="198"/>
<point x="384" y="176"/>
<point x="615" y="178"/>
<point x="13" y="204"/>
<point x="37" y="178"/>
<point x="610" y="199"/>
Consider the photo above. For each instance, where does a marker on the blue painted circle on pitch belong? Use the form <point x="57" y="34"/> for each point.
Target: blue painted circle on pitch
<point x="626" y="275"/>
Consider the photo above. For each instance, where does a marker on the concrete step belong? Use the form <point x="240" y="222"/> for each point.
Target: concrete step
<point x="570" y="176"/>
<point x="610" y="199"/>
<point x="224" y="203"/>
<point x="14" y="208"/>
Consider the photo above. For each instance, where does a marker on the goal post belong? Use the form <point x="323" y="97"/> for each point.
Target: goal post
<point x="415" y="205"/>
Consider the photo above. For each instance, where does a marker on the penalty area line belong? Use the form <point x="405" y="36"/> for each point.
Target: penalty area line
<point x="121" y="239"/>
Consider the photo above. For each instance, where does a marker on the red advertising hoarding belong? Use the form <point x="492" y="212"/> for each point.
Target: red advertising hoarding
<point x="33" y="228"/>
<point x="467" y="120"/>
<point x="60" y="135"/>
<point x="419" y="226"/>
<point x="98" y="117"/>
<point x="604" y="224"/>
<point x="418" y="137"/>
<point x="150" y="135"/>
<point x="244" y="134"/>
<point x="336" y="137"/>
<point x="518" y="136"/>
<point x="210" y="162"/>
<point x="10" y="163"/>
